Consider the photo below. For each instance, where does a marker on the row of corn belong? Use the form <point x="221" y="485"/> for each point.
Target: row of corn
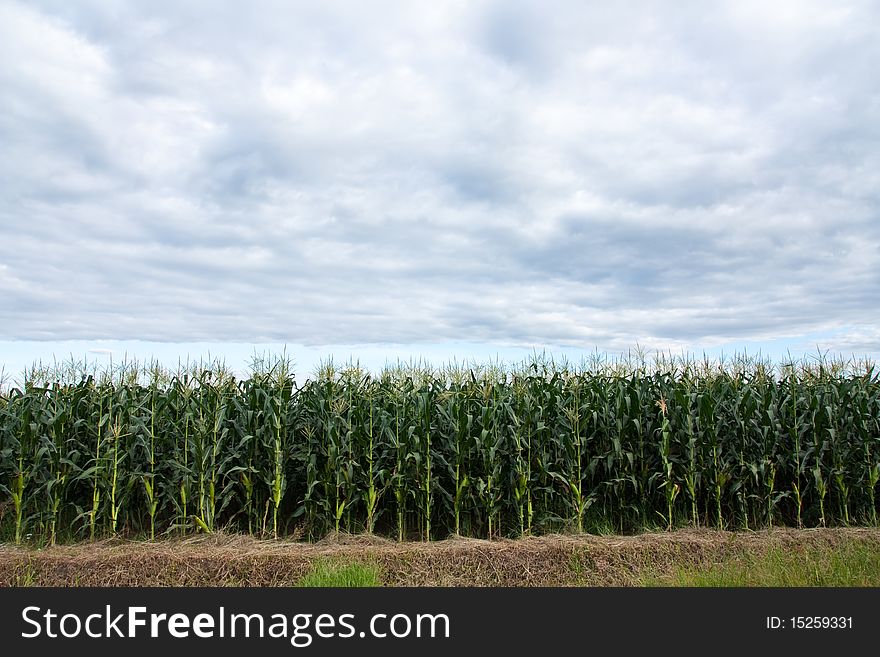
<point x="417" y="453"/>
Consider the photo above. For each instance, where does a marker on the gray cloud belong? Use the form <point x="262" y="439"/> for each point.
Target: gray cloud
<point x="513" y="173"/>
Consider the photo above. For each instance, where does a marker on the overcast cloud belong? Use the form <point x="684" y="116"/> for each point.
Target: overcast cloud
<point x="522" y="173"/>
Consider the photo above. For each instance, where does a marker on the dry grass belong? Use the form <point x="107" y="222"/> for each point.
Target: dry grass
<point x="235" y="560"/>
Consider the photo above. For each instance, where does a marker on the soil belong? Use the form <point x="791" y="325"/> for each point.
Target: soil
<point x="558" y="560"/>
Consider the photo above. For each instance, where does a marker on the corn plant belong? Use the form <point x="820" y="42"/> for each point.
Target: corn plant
<point x="416" y="451"/>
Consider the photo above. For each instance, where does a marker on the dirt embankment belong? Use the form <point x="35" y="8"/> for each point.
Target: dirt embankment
<point x="223" y="560"/>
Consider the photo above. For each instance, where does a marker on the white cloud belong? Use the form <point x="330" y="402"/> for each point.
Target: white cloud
<point x="512" y="173"/>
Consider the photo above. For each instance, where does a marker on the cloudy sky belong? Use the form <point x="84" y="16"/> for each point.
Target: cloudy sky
<point x="422" y="178"/>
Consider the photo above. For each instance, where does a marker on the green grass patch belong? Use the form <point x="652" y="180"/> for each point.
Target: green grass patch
<point x="335" y="574"/>
<point x="850" y="564"/>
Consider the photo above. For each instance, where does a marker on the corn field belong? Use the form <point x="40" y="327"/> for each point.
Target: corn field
<point x="422" y="453"/>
